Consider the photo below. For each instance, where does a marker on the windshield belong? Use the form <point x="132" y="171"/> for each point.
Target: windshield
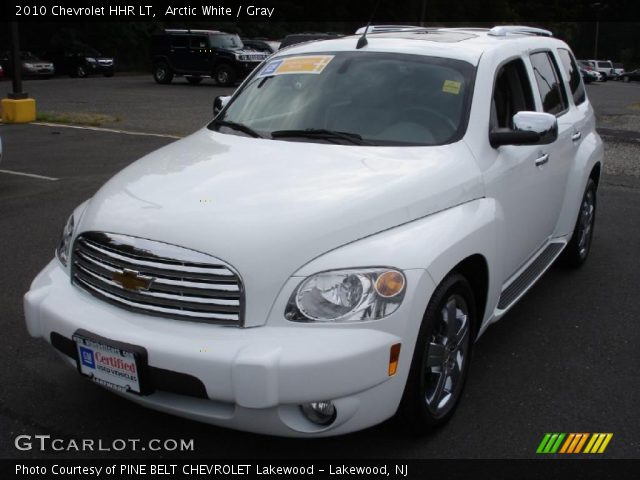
<point x="29" y="57"/>
<point x="231" y="42"/>
<point x="379" y="98"/>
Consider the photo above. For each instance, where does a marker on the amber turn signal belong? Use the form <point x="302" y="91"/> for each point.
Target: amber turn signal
<point x="390" y="284"/>
<point x="394" y="356"/>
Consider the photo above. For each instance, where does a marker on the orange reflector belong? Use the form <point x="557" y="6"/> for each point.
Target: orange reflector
<point x="394" y="355"/>
<point x="389" y="284"/>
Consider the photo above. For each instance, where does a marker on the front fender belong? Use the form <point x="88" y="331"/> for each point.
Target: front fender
<point x="435" y="244"/>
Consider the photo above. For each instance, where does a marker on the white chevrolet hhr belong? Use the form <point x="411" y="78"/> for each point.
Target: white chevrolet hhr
<point x="325" y="252"/>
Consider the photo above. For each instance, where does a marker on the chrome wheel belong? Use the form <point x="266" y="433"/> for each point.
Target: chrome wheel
<point x="222" y="77"/>
<point x="446" y="355"/>
<point x="586" y="223"/>
<point x="161" y="73"/>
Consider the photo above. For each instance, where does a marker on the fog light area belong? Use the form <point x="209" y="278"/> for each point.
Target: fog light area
<point x="320" y="413"/>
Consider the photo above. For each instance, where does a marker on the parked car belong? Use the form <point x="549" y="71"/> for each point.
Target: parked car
<point x="32" y="66"/>
<point x="259" y="45"/>
<point x="605" y="67"/>
<point x="594" y="75"/>
<point x="618" y="70"/>
<point x="295" y="38"/>
<point x="632" y="75"/>
<point x="589" y="76"/>
<point x="80" y="60"/>
<point x="202" y="53"/>
<point x="324" y="254"/>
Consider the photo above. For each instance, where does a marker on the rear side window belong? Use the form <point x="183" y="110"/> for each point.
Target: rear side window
<point x="575" y="79"/>
<point x="180" y="41"/>
<point x="552" y="94"/>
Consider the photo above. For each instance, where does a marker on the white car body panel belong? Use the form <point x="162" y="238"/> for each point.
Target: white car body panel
<point x="281" y="211"/>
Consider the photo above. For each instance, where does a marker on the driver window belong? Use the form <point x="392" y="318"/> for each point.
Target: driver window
<point x="511" y="94"/>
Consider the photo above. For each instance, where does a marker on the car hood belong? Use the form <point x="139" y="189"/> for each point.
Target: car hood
<point x="268" y="207"/>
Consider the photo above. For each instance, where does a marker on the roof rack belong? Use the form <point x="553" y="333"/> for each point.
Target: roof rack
<point x="504" y="30"/>
<point x="392" y="28"/>
<point x="189" y="30"/>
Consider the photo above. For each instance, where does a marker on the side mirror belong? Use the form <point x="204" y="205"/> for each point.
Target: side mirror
<point x="529" y="128"/>
<point x="219" y="103"/>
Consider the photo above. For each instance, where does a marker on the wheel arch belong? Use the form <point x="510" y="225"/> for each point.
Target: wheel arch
<point x="475" y="270"/>
<point x="596" y="171"/>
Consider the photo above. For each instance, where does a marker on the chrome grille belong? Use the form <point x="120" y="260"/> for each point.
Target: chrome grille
<point x="255" y="58"/>
<point x="178" y="282"/>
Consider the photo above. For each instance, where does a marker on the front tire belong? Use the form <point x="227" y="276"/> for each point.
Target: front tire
<point x="441" y="358"/>
<point x="225" y="76"/>
<point x="162" y="73"/>
<point x="577" y="250"/>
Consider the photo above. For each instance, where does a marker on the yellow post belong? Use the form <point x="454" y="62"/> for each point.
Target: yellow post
<point x="18" y="111"/>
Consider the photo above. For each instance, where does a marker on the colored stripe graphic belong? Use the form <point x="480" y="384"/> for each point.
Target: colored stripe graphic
<point x="581" y="442"/>
<point x="550" y="443"/>
<point x="544" y="441"/>
<point x="553" y="443"/>
<point x="598" y="442"/>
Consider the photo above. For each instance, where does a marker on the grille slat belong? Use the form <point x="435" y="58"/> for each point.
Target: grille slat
<point x="213" y="290"/>
<point x="182" y="284"/>
<point x="151" y="268"/>
<point x="165" y="299"/>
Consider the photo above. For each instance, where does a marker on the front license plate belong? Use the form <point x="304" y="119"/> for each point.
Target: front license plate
<point x="112" y="364"/>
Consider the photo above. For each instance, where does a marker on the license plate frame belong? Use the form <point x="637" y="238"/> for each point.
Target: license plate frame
<point x="116" y="365"/>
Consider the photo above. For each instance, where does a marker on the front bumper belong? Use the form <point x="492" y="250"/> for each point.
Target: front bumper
<point x="252" y="378"/>
<point x="99" y="67"/>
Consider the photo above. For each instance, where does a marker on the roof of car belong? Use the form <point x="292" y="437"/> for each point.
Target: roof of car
<point x="459" y="43"/>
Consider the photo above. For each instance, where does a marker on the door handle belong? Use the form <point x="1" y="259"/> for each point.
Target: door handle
<point x="576" y="136"/>
<point x="542" y="160"/>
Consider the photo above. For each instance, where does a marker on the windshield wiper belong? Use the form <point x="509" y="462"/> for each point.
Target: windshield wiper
<point x="321" y="133"/>
<point x="241" y="127"/>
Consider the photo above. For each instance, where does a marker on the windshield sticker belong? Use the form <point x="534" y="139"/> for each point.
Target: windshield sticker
<point x="450" y="86"/>
<point x="306" y="64"/>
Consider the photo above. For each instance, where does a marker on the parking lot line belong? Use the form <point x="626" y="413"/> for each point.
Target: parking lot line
<point x="110" y="130"/>
<point x="33" y="175"/>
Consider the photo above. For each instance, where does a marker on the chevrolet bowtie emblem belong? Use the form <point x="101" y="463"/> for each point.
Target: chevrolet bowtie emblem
<point x="132" y="280"/>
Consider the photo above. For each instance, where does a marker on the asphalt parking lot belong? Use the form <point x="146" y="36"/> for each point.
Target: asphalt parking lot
<point x="563" y="360"/>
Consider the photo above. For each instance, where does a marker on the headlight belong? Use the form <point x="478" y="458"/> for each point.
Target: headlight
<point x="64" y="247"/>
<point x="347" y="295"/>
<point x="29" y="66"/>
<point x="90" y="59"/>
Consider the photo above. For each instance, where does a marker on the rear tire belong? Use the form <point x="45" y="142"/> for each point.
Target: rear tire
<point x="80" y="71"/>
<point x="225" y="75"/>
<point x="577" y="250"/>
<point x="626" y="79"/>
<point x="162" y="73"/>
<point x="441" y="357"/>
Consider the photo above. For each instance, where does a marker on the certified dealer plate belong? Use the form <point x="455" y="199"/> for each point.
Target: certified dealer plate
<point x="112" y="364"/>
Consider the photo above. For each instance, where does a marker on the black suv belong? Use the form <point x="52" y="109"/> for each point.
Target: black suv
<point x="202" y="53"/>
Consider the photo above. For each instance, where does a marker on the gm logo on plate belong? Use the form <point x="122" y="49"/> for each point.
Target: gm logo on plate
<point x="86" y="356"/>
